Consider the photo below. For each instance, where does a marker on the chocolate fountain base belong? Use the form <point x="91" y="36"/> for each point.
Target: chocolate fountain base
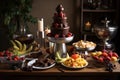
<point x="60" y="45"/>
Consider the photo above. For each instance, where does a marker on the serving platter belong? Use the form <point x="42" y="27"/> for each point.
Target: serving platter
<point x="84" y="45"/>
<point x="80" y="67"/>
<point x="30" y="63"/>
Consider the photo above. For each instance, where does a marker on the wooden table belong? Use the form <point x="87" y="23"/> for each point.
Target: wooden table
<point x="92" y="72"/>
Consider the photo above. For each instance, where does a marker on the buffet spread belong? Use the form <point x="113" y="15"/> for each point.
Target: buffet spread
<point x="80" y="55"/>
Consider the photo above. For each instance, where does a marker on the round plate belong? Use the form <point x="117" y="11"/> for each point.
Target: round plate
<point x="30" y="63"/>
<point x="74" y="67"/>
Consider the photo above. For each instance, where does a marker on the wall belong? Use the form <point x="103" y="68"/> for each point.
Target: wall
<point x="46" y="9"/>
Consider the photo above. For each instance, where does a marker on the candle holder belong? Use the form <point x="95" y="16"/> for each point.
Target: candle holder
<point x="87" y="26"/>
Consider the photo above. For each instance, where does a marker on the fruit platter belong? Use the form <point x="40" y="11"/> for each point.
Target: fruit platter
<point x="106" y="58"/>
<point x="15" y="55"/>
<point x="75" y="61"/>
<point x="104" y="55"/>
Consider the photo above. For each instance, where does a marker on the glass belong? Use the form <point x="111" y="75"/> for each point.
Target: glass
<point x="23" y="35"/>
<point x="106" y="34"/>
<point x="103" y="34"/>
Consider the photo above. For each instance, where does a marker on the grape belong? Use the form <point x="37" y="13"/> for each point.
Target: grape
<point x="110" y="66"/>
<point x="109" y="69"/>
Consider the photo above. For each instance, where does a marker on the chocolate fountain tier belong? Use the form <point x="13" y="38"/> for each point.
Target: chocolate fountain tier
<point x="60" y="40"/>
<point x="60" y="31"/>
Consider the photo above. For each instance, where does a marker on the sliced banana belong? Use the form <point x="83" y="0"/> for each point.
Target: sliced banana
<point x="24" y="47"/>
<point x="19" y="48"/>
<point x="19" y="44"/>
<point x="13" y="43"/>
<point x="59" y="59"/>
<point x="16" y="48"/>
<point x="29" y="49"/>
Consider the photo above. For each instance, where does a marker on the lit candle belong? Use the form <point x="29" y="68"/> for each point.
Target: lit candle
<point x="88" y="25"/>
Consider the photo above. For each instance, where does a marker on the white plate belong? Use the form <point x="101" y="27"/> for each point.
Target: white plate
<point x="30" y="63"/>
<point x="74" y="67"/>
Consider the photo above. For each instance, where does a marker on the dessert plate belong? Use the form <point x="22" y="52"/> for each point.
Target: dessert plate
<point x="30" y="63"/>
<point x="80" y="67"/>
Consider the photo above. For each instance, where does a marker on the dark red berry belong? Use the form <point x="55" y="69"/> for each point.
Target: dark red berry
<point x="56" y="35"/>
<point x="49" y="34"/>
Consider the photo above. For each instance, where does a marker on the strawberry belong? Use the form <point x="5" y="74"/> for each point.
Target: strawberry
<point x="110" y="53"/>
<point x="10" y="54"/>
<point x="1" y="54"/>
<point x="104" y="54"/>
<point x="115" y="54"/>
<point x="101" y="59"/>
<point x="16" y="58"/>
<point x="108" y="58"/>
<point x="6" y="52"/>
<point x="61" y="14"/>
<point x="105" y="51"/>
<point x="75" y="55"/>
<point x="69" y="34"/>
<point x="96" y="57"/>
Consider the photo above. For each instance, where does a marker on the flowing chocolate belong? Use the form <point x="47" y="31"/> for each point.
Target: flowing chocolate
<point x="60" y="27"/>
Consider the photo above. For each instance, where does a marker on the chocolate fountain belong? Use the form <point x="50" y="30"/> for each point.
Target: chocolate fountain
<point x="106" y="33"/>
<point x="60" y="34"/>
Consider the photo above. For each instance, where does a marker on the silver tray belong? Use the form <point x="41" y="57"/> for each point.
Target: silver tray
<point x="30" y="63"/>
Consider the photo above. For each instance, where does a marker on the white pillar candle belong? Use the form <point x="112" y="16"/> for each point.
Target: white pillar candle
<point x="43" y="36"/>
<point x="41" y="25"/>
